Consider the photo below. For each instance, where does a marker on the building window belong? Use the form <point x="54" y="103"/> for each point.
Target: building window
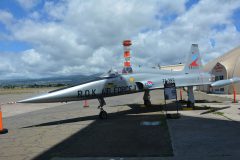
<point x="217" y="78"/>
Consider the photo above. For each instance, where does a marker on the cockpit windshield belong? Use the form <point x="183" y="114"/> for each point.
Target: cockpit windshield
<point x="110" y="74"/>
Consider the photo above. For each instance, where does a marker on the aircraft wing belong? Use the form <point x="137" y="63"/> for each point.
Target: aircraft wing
<point x="225" y="82"/>
<point x="158" y="84"/>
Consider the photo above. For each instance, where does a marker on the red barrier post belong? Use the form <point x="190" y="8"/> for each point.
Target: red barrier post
<point x="85" y="103"/>
<point x="180" y="93"/>
<point x="234" y="95"/>
<point x="2" y="130"/>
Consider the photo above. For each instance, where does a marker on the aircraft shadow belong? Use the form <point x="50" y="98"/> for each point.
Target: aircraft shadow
<point x="124" y="134"/>
<point x="134" y="109"/>
<point x="125" y="137"/>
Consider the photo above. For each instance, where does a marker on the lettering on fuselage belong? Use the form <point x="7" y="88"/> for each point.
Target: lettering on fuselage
<point x="107" y="91"/>
<point x="169" y="80"/>
<point x="87" y="93"/>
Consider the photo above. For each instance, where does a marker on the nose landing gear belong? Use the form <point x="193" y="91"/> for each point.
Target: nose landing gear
<point x="103" y="113"/>
<point x="146" y="98"/>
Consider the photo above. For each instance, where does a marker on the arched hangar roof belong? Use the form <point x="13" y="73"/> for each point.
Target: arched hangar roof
<point x="230" y="60"/>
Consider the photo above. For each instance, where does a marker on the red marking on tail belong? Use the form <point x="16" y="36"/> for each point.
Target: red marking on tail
<point x="194" y="63"/>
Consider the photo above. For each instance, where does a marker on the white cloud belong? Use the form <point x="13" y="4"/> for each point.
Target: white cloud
<point x="55" y="10"/>
<point x="169" y="7"/>
<point x="28" y="4"/>
<point x="31" y="57"/>
<point x="73" y="37"/>
<point x="6" y="17"/>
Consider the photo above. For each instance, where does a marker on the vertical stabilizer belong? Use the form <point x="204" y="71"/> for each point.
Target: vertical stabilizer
<point x="194" y="61"/>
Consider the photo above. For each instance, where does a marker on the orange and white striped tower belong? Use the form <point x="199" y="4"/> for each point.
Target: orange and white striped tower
<point x="127" y="64"/>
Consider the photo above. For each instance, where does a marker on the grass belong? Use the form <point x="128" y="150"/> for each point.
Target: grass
<point x="219" y="113"/>
<point x="205" y="107"/>
<point x="222" y="114"/>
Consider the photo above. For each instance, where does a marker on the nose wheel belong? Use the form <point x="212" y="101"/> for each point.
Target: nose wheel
<point x="103" y="113"/>
<point x="146" y="98"/>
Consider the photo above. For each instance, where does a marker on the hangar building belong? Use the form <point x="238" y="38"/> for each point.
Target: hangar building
<point x="177" y="67"/>
<point x="224" y="67"/>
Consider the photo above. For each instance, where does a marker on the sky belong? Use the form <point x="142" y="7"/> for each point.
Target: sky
<point x="42" y="38"/>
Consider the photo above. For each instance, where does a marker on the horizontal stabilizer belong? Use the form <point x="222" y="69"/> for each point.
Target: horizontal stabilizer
<point x="226" y="82"/>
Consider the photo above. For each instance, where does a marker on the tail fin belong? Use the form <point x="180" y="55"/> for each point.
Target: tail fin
<point x="194" y="61"/>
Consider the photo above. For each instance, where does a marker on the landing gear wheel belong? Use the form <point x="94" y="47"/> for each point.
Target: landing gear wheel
<point x="146" y="98"/>
<point x="147" y="103"/>
<point x="103" y="115"/>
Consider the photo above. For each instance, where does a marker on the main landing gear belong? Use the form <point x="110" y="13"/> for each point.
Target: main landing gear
<point x="102" y="114"/>
<point x="191" y="99"/>
<point x="146" y="98"/>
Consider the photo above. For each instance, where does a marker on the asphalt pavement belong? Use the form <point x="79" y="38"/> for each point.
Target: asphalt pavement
<point x="133" y="131"/>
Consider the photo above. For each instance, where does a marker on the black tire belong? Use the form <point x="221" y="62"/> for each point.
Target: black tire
<point x="103" y="115"/>
<point x="147" y="103"/>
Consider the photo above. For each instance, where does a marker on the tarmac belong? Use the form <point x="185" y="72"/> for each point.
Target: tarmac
<point x="133" y="131"/>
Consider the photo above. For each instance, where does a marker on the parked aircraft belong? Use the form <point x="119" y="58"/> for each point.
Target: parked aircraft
<point x="113" y="84"/>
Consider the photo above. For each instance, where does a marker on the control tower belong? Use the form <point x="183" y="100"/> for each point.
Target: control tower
<point x="127" y="64"/>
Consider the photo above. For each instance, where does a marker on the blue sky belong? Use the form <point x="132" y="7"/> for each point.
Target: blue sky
<point x="74" y="37"/>
<point x="236" y="18"/>
<point x="13" y="7"/>
<point x="190" y="3"/>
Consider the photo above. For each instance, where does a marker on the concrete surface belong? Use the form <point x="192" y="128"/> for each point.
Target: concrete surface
<point x="60" y="131"/>
<point x="9" y="98"/>
<point x="227" y="96"/>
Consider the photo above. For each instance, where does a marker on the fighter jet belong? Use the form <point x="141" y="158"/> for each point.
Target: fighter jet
<point x="114" y="83"/>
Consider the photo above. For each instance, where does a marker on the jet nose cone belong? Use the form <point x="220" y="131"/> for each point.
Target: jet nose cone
<point x="21" y="101"/>
<point x="38" y="99"/>
<point x="24" y="101"/>
<point x="30" y="100"/>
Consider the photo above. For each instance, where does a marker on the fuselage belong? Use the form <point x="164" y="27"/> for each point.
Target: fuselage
<point x="119" y="84"/>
